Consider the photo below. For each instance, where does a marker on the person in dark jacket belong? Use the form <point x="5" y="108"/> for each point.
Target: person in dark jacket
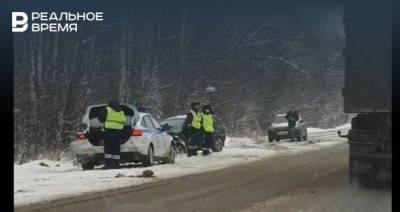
<point x="292" y="116"/>
<point x="192" y="128"/>
<point x="113" y="119"/>
<point x="208" y="128"/>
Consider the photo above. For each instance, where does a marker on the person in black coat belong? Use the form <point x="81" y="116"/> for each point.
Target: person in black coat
<point x="292" y="116"/>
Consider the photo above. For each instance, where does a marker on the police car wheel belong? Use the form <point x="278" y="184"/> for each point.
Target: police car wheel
<point x="149" y="159"/>
<point x="171" y="155"/>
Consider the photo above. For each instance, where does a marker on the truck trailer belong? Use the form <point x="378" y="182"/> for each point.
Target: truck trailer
<point x="367" y="90"/>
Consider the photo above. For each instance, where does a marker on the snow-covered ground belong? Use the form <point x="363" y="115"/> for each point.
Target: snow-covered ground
<point x="56" y="179"/>
<point x="312" y="129"/>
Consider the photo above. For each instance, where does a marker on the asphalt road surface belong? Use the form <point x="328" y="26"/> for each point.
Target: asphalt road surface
<point x="309" y="181"/>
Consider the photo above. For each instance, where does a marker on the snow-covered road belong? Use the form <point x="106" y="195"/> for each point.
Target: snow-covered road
<point x="34" y="183"/>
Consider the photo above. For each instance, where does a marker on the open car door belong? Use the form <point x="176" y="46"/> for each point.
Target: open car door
<point x="95" y="131"/>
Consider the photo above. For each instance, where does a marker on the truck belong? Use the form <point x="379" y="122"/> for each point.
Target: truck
<point x="367" y="90"/>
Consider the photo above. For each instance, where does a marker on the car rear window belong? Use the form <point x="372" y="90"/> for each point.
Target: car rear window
<point x="176" y="124"/>
<point x="143" y="123"/>
<point x="148" y="122"/>
<point x="155" y="123"/>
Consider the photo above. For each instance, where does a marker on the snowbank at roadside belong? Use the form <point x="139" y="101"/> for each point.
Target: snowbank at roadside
<point x="342" y="127"/>
<point x="34" y="183"/>
<point x="46" y="180"/>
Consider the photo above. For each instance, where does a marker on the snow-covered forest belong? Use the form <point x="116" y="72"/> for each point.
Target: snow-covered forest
<point x="261" y="59"/>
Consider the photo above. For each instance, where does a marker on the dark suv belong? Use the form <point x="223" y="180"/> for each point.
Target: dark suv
<point x="278" y="129"/>
<point x="175" y="129"/>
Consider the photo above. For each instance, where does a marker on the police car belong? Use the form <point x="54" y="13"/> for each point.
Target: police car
<point x="143" y="139"/>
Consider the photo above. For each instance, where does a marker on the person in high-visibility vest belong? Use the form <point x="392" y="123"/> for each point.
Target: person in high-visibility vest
<point x="113" y="119"/>
<point x="208" y="128"/>
<point x="192" y="127"/>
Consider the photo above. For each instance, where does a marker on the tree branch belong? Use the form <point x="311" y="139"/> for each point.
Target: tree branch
<point x="282" y="59"/>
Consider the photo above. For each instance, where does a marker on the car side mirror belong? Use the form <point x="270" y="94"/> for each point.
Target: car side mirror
<point x="301" y="121"/>
<point x="165" y="127"/>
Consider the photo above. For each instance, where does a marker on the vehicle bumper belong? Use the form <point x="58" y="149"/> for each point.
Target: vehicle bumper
<point x="281" y="134"/>
<point x="84" y="147"/>
<point x="278" y="136"/>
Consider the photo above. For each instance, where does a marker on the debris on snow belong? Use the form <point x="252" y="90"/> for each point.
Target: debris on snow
<point x="43" y="164"/>
<point x="147" y="173"/>
<point x="119" y="175"/>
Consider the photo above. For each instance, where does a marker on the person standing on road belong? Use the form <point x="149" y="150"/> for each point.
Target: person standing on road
<point x="292" y="116"/>
<point x="208" y="128"/>
<point x="113" y="119"/>
<point x="192" y="127"/>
